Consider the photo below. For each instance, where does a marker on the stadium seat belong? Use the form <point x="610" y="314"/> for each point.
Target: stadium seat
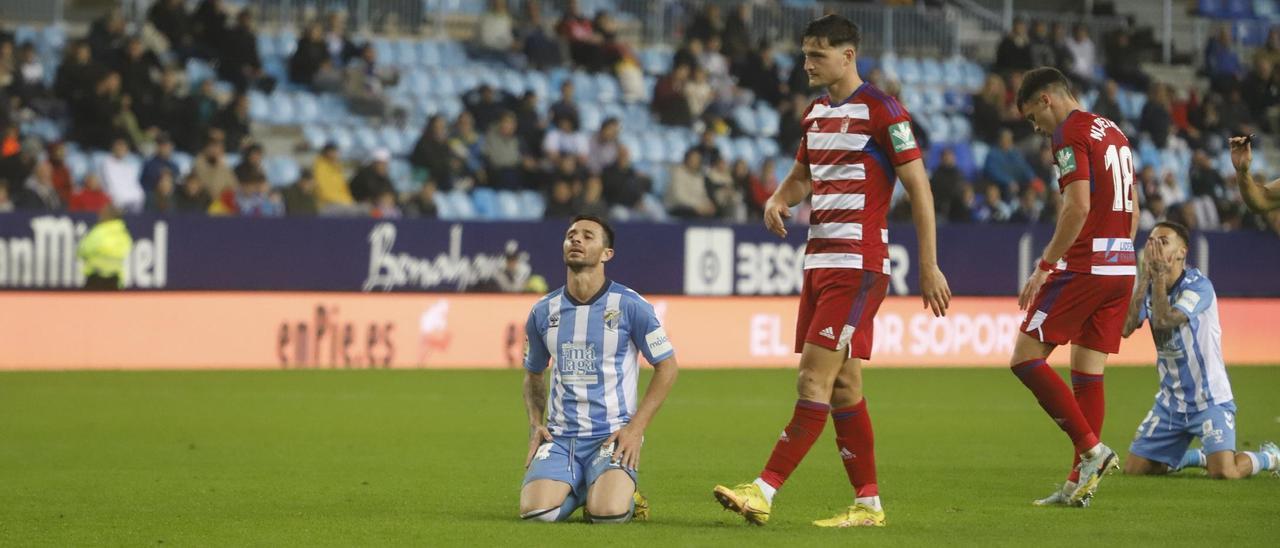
<point x="485" y="201"/>
<point x="935" y="99"/>
<point x="444" y="207"/>
<point x="964" y="159"/>
<point x="392" y="139"/>
<point x="366" y="140"/>
<point x="889" y="65"/>
<point x="401" y="174"/>
<point x="281" y="109"/>
<point x="511" y="82"/>
<point x="282" y="170"/>
<point x="532" y="204"/>
<point x="746" y="120"/>
<point x="267" y="46"/>
<point x="508" y="205"/>
<point x="607" y="89"/>
<point x="975" y="76"/>
<point x="428" y="53"/>
<point x="341" y="136"/>
<point x="961" y="128"/>
<point x="767" y="146"/>
<point x="931" y="72"/>
<point x="913" y="98"/>
<point x="939" y="128"/>
<point x="183" y="161"/>
<point x="314" y="135"/>
<point x="537" y="83"/>
<point x="406" y="52"/>
<point x="980" y="150"/>
<point x="654" y="150"/>
<point x="259" y="106"/>
<point x="52" y="39"/>
<point x="77" y="164"/>
<point x="909" y="71"/>
<point x="953" y="72"/>
<point x="769" y="120"/>
<point x="306" y="107"/>
<point x="589" y="116"/>
<point x="462" y="205"/>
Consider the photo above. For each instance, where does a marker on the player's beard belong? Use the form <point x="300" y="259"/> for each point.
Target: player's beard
<point x="581" y="262"/>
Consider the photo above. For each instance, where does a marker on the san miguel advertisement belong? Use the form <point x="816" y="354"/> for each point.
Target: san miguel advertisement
<point x="259" y="330"/>
<point x="365" y="255"/>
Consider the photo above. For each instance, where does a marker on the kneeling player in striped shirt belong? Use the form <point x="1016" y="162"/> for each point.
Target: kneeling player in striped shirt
<point x="585" y="450"/>
<point x="1195" y="398"/>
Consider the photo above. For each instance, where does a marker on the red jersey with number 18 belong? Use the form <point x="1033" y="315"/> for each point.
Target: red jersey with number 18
<point x="1092" y="150"/>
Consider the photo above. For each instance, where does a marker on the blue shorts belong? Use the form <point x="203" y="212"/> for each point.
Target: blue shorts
<point x="578" y="462"/>
<point x="1164" y="435"/>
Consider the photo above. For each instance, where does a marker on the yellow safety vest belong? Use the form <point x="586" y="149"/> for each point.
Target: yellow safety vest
<point x="105" y="248"/>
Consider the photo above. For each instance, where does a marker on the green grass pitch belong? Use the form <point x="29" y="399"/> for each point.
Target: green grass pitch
<point x="374" y="458"/>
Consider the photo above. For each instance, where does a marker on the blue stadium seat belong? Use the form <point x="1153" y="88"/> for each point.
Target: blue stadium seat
<point x="537" y="83"/>
<point x="909" y="70"/>
<point x="198" y="71"/>
<point x="511" y="82"/>
<point x="429" y="53"/>
<point x="406" y="52"/>
<point x="462" y="205"/>
<point x="282" y="170"/>
<point x="913" y="98"/>
<point x="341" y="136"/>
<point x="1212" y="8"/>
<point x="306" y="107"/>
<point x="282" y="111"/>
<point x="183" y="161"/>
<point x="961" y="128"/>
<point x="382" y="50"/>
<point x="958" y="100"/>
<point x="607" y="89"/>
<point x="939" y="128"/>
<point x="745" y="149"/>
<point x="451" y="107"/>
<point x="980" y="150"/>
<point x="266" y="46"/>
<point x="401" y="174"/>
<point x="78" y="165"/>
<point x="935" y="99"/>
<point x="975" y="76"/>
<point x="1266" y="9"/>
<point x="769" y="120"/>
<point x="485" y="201"/>
<point x="465" y="80"/>
<point x="444" y="207"/>
<point x="654" y="149"/>
<point x="508" y="205"/>
<point x="51" y="40"/>
<point x="589" y="116"/>
<point x="392" y="139"/>
<point x="532" y="204"/>
<point x="931" y="71"/>
<point x="366" y="140"/>
<point x="746" y="120"/>
<point x="628" y="139"/>
<point x="889" y="64"/>
<point x="768" y="147"/>
<point x="656" y="60"/>
<point x="314" y="135"/>
<point x="964" y="159"/>
<point x="953" y="72"/>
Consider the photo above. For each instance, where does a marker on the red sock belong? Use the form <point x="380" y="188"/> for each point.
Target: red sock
<point x="805" y="426"/>
<point x="1055" y="398"/>
<point x="857" y="447"/>
<point x="1089" y="396"/>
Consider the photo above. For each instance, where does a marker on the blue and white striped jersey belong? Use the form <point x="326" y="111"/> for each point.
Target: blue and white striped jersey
<point x="1193" y="376"/>
<point x="592" y="348"/>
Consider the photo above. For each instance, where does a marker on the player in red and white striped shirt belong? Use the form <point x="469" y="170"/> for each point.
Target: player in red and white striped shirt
<point x="857" y="140"/>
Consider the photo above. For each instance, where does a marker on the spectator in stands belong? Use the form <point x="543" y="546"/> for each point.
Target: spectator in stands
<point x="946" y="182"/>
<point x="592" y="202"/>
<point x="1261" y="91"/>
<point x="1043" y="52"/>
<point x="989" y="109"/>
<point x="723" y="192"/>
<point x="1147" y="182"/>
<point x="603" y="148"/>
<point x="707" y="148"/>
<point x="1124" y="61"/>
<point x="566" y="107"/>
<point x="107" y="35"/>
<point x="38" y="192"/>
<point x="210" y="25"/>
<point x="1030" y="207"/>
<point x="300" y="197"/>
<point x="93" y="121"/>
<point x="746" y="182"/>
<point x="737" y="35"/>
<point x="560" y="204"/>
<point x="687" y="191"/>
<point x="193" y="197"/>
<point x="1270" y="51"/>
<point x="120" y="177"/>
<point x="631" y="78"/>
<point x="503" y="154"/>
<point x="202" y="108"/>
<point x="1108" y="103"/>
<point x="28" y="79"/>
<point x="365" y="82"/>
<point x="1206" y="182"/>
<point x="565" y="140"/>
<point x="423" y="204"/>
<point x="669" y="101"/>
<point x="486" y="104"/>
<point x="240" y="63"/>
<point x="103" y="251"/>
<point x="758" y="72"/>
<point x="1221" y="62"/>
<point x="999" y="210"/>
<point x="1014" y="51"/>
<point x="210" y="166"/>
<point x="309" y="54"/>
<point x="1083" y="55"/>
<point x="332" y="191"/>
<point x="162" y="197"/>
<point x="6" y="204"/>
<point x="465" y="143"/>
<point x="541" y="51"/>
<point x="77" y="75"/>
<point x="136" y="66"/>
<point x="255" y="199"/>
<point x="166" y="112"/>
<point x="385" y="207"/>
<point x="373" y="179"/>
<point x="530" y="125"/>
<point x="234" y="122"/>
<point x="126" y="124"/>
<point x="1156" y="115"/>
<point x="495" y="33"/>
<point x="1234" y="114"/>
<point x="698" y="93"/>
<point x="622" y="185"/>
<point x="567" y="168"/>
<point x="251" y="165"/>
<point x="578" y="32"/>
<point x="1170" y="190"/>
<point x="431" y="153"/>
<point x="171" y="19"/>
<point x="159" y="162"/>
<point x="1007" y="167"/>
<point x="340" y="47"/>
<point x="90" y="197"/>
<point x="715" y="63"/>
<point x="690" y="54"/>
<point x="1153" y="211"/>
<point x="56" y="154"/>
<point x="706" y="24"/>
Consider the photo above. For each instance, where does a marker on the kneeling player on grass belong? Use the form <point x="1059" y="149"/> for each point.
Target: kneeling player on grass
<point x="1195" y="399"/>
<point x="587" y="450"/>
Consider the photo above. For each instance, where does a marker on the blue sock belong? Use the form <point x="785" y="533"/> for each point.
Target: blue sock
<point x="568" y="507"/>
<point x="1261" y="461"/>
<point x="1193" y="458"/>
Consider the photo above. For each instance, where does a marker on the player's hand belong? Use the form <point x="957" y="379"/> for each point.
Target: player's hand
<point x="1031" y="288"/>
<point x="934" y="290"/>
<point x="626" y="446"/>
<point x="538" y="435"/>
<point x="1157" y="258"/>
<point x="775" y="210"/>
<point x="1241" y="153"/>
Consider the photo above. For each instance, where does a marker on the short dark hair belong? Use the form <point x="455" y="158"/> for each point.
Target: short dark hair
<point x="1036" y="80"/>
<point x="835" y="29"/>
<point x="1177" y="228"/>
<point x="608" y="230"/>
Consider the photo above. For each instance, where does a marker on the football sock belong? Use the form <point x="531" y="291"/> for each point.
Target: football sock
<point x="856" y="443"/>
<point x="544" y="514"/>
<point x="1261" y="461"/>
<point x="1193" y="458"/>
<point x="1088" y="390"/>
<point x="806" y="424"/>
<point x="767" y="489"/>
<point x="873" y="502"/>
<point x="1056" y="399"/>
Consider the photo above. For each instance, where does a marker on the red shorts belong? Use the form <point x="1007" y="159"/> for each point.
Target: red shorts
<point x="838" y="309"/>
<point x="1084" y="309"/>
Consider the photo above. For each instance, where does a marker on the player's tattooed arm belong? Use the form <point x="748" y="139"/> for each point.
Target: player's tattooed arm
<point x="535" y="403"/>
<point x="1163" y="315"/>
<point x="1132" y="318"/>
<point x="1260" y="198"/>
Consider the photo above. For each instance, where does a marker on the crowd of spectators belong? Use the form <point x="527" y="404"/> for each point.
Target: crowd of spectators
<point x="126" y="95"/>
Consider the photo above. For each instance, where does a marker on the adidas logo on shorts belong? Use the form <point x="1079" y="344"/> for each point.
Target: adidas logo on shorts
<point x="828" y="333"/>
